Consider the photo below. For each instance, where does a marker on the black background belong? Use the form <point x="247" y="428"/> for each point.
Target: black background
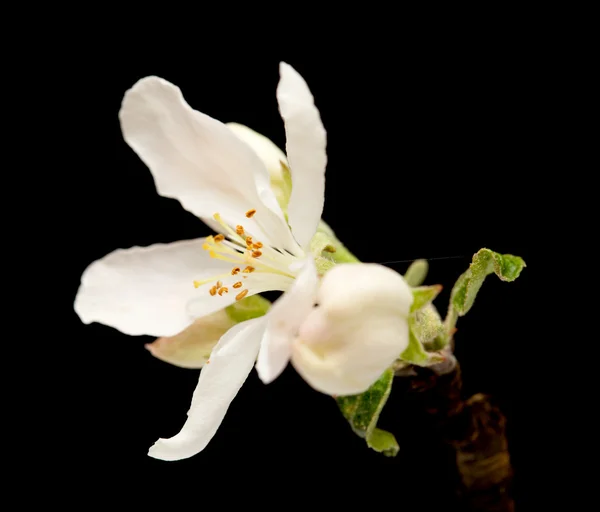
<point x="431" y="154"/>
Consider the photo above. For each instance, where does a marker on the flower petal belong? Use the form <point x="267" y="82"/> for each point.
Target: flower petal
<point x="145" y="290"/>
<point x="274" y="159"/>
<point x="264" y="148"/>
<point x="191" y="347"/>
<point x="199" y="161"/>
<point x="230" y="363"/>
<point x="358" y="330"/>
<point x="283" y="321"/>
<point x="306" y="151"/>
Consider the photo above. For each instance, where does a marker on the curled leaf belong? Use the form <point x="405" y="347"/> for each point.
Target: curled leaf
<point x="506" y="266"/>
<point x="485" y="262"/>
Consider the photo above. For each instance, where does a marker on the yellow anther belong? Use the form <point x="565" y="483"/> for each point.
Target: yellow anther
<point x="241" y="295"/>
<point x="248" y="240"/>
<point x="256" y="254"/>
<point x="219" y="238"/>
<point x="235" y="271"/>
<point x="257" y="245"/>
<point x="219" y="284"/>
<point x="248" y="269"/>
<point x="223" y="290"/>
<point x="238" y="284"/>
<point x="239" y="230"/>
<point x="213" y="291"/>
<point x="250" y="213"/>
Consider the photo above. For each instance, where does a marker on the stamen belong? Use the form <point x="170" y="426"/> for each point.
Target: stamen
<point x="219" y="238"/>
<point x="219" y="284"/>
<point x="237" y="285"/>
<point x="197" y="284"/>
<point x="241" y="295"/>
<point x="256" y="254"/>
<point x="217" y="256"/>
<point x="239" y="230"/>
<point x="250" y="213"/>
<point x="213" y="291"/>
<point x="223" y="290"/>
<point x="248" y="240"/>
<point x="257" y="245"/>
<point x="235" y="271"/>
<point x="218" y="218"/>
<point x="248" y="269"/>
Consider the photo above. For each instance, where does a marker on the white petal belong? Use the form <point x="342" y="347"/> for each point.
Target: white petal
<point x="284" y="320"/>
<point x="199" y="161"/>
<point x="305" y="148"/>
<point x="266" y="150"/>
<point x="358" y="330"/>
<point x="191" y="348"/>
<point x="220" y="380"/>
<point x="145" y="290"/>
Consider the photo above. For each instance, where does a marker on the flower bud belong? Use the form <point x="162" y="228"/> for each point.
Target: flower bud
<point x="357" y="331"/>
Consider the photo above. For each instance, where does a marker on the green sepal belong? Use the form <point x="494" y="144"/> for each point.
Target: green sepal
<point x="416" y="273"/>
<point x="415" y="353"/>
<point x="248" y="308"/>
<point x="423" y="295"/>
<point x="327" y="245"/>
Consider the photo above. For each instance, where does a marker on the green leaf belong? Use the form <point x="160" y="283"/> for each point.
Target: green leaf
<point x="423" y="295"/>
<point x="384" y="442"/>
<point x="416" y="273"/>
<point x="362" y="412"/>
<point x="506" y="266"/>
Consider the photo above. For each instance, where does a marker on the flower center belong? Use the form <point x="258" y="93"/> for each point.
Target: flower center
<point x="247" y="255"/>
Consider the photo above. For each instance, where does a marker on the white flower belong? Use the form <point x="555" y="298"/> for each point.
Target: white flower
<point x="221" y="179"/>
